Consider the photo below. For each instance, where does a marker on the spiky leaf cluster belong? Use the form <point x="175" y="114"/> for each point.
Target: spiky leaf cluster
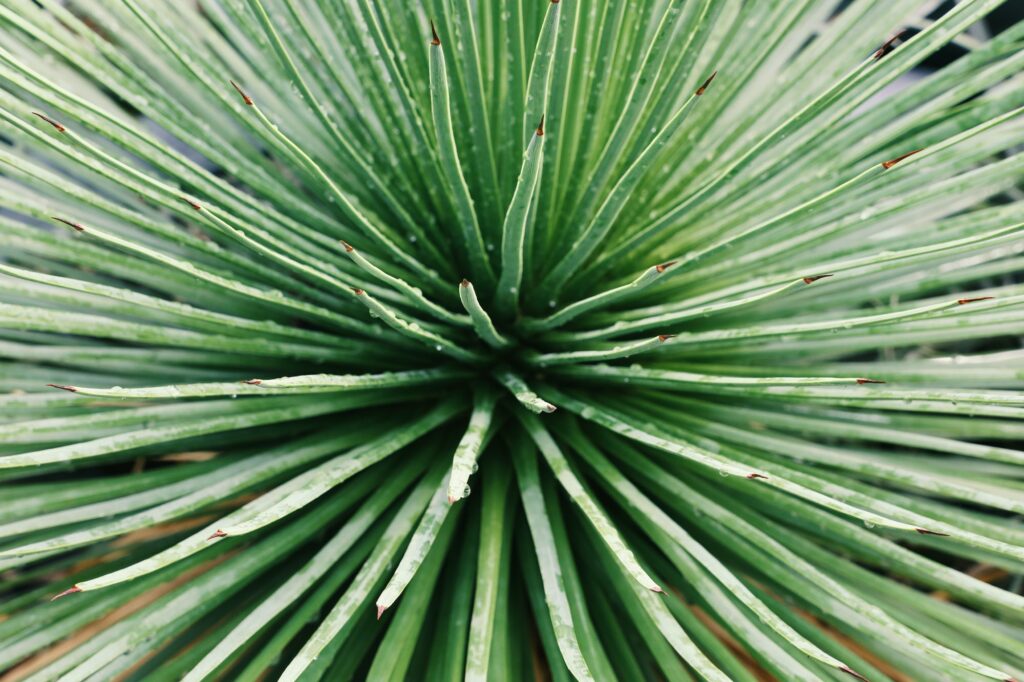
<point x="735" y="354"/>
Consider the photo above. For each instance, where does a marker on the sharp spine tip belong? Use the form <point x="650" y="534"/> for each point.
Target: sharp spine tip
<point x="348" y="247"/>
<point x="72" y="389"/>
<point x="665" y="266"/>
<point x="870" y="381"/>
<point x="465" y="282"/>
<point x="217" y="534"/>
<point x="755" y="476"/>
<point x="77" y="226"/>
<point x="245" y="97"/>
<point x="435" y="39"/>
<point x="71" y="590"/>
<point x="540" y="127"/>
<point x="380" y="610"/>
<point x="925" y="531"/>
<point x="253" y="382"/>
<point x="888" y="46"/>
<point x="358" y="292"/>
<point x="892" y="162"/>
<point x="850" y="671"/>
<point x="814" y="278"/>
<point x="192" y="203"/>
<point x="58" y="126"/>
<point x="965" y="301"/>
<point x="665" y="337"/>
<point x="702" y="88"/>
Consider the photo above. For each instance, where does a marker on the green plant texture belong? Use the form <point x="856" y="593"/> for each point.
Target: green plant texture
<point x="503" y="340"/>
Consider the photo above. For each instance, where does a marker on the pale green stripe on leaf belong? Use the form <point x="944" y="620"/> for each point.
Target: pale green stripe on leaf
<point x="419" y="546"/>
<point x="467" y="452"/>
<point x="291" y="590"/>
<point x="369" y="575"/>
<point x="310" y="383"/>
<point x="283" y="500"/>
<point x="547" y="557"/>
<point x="575" y="489"/>
<point x="518" y="387"/>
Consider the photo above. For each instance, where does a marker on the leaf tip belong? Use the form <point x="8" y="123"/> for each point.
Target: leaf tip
<point x="348" y="247"/>
<point x="253" y="382"/>
<point x="72" y="389"/>
<point x="850" y="671"/>
<point x="71" y="590"/>
<point x="58" y="126"/>
<point x="465" y="283"/>
<point x="245" y="97"/>
<point x="925" y="531"/>
<point x="704" y="86"/>
<point x="863" y="381"/>
<point x="77" y="226"/>
<point x="754" y="476"/>
<point x="814" y="278"/>
<point x="435" y="39"/>
<point x="665" y="266"/>
<point x="380" y="610"/>
<point x="358" y="292"/>
<point x="192" y="203"/>
<point x="217" y="534"/>
<point x="892" y="162"/>
<point x="662" y="338"/>
<point x="540" y="127"/>
<point x="965" y="301"/>
<point x="888" y="46"/>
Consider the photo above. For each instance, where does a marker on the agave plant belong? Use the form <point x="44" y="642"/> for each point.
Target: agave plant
<point x="736" y="356"/>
